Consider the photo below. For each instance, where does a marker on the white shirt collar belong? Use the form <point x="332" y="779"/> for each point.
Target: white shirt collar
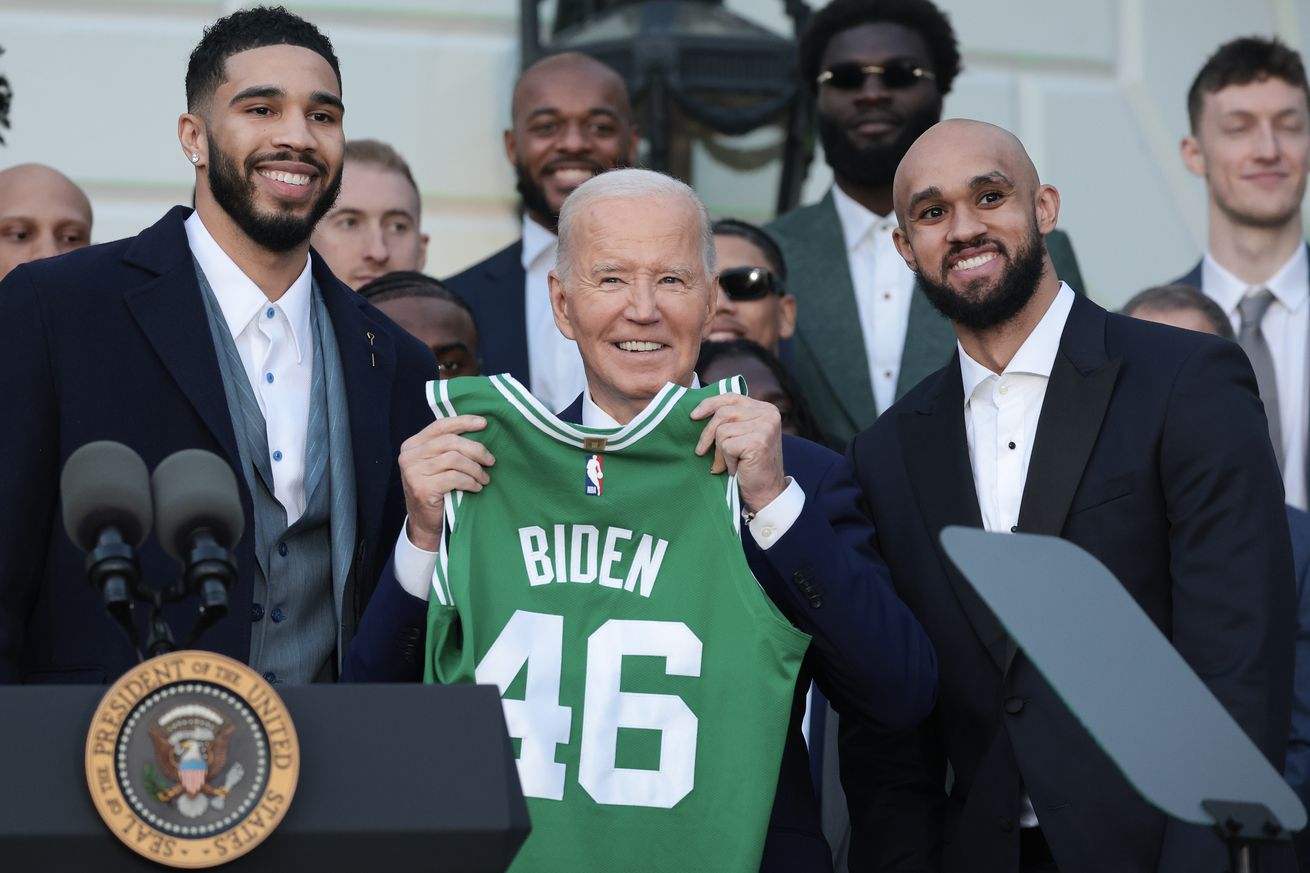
<point x="1290" y="285"/>
<point x="594" y="416"/>
<point x="239" y="298"/>
<point x="1037" y="354"/>
<point x="858" y="222"/>
<point x="537" y="241"/>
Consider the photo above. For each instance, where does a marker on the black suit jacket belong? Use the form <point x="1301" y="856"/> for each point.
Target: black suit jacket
<point x="112" y="342"/>
<point x="495" y="290"/>
<point x="1152" y="454"/>
<point x="869" y="654"/>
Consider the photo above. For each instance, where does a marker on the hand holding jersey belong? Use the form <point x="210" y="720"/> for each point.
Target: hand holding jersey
<point x="747" y="439"/>
<point x="746" y="435"/>
<point x="434" y="462"/>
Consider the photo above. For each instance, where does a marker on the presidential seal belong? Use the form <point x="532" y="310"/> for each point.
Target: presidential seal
<point x="192" y="759"/>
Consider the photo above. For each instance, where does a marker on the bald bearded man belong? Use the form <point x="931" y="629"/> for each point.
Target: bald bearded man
<point x="1144" y="445"/>
<point x="571" y="121"/>
<point x="42" y="214"/>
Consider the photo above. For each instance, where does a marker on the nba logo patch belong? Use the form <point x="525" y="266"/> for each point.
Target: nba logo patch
<point x="595" y="476"/>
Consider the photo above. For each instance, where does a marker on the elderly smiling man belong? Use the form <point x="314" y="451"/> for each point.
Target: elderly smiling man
<point x="634" y="287"/>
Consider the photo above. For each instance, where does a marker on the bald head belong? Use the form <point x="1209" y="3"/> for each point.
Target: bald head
<point x="42" y="214"/>
<point x="960" y="142"/>
<point x="570" y="68"/>
<point x="572" y="120"/>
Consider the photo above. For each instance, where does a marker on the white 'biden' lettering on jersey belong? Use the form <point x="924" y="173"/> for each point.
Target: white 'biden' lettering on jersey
<point x="580" y="553"/>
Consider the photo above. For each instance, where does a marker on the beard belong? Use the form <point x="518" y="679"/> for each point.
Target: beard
<point x="234" y="191"/>
<point x="532" y="196"/>
<point x="874" y="165"/>
<point x="977" y="308"/>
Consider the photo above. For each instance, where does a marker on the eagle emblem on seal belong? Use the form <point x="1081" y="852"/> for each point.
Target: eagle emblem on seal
<point x="191" y="751"/>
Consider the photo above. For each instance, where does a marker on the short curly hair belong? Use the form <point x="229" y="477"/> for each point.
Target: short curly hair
<point x="1242" y="61"/>
<point x="921" y="16"/>
<point x="242" y="31"/>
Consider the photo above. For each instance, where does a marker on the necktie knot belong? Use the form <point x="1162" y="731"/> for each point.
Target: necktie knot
<point x="1252" y="309"/>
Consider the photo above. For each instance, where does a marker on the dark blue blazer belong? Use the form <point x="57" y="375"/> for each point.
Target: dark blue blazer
<point x="112" y="342"/>
<point x="1297" y="768"/>
<point x="869" y="655"/>
<point x="495" y="289"/>
<point x="1153" y="455"/>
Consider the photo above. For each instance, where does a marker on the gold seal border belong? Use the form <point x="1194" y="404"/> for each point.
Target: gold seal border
<point x="102" y="746"/>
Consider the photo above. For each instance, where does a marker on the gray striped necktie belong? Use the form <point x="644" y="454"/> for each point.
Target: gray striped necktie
<point x="1252" y="339"/>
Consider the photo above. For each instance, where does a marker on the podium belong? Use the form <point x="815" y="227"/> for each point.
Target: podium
<point x="393" y="779"/>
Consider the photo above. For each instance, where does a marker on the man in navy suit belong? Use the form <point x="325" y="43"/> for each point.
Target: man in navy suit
<point x="1187" y="307"/>
<point x="154" y="341"/>
<point x="571" y="120"/>
<point x="1143" y="445"/>
<point x="634" y="287"/>
<point x="1250" y="141"/>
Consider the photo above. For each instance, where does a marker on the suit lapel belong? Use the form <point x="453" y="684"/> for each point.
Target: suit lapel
<point x="937" y="458"/>
<point x="368" y="364"/>
<point x="1070" y="422"/>
<point x="830" y="320"/>
<point x="171" y="315"/>
<point x="1081" y="384"/>
<point x="929" y="341"/>
<point x="505" y="306"/>
<point x="573" y="412"/>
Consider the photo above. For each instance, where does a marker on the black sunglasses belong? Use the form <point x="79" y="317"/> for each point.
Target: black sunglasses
<point x="894" y="74"/>
<point x="749" y="283"/>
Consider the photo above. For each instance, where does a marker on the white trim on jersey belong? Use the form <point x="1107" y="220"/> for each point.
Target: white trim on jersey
<point x="548" y="423"/>
<point x="439" y="399"/>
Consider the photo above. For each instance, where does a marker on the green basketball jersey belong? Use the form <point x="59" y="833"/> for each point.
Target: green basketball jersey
<point x="646" y="678"/>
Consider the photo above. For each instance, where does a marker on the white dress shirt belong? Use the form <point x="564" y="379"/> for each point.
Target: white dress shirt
<point x="1286" y="328"/>
<point x="884" y="287"/>
<point x="1000" y="423"/>
<point x="414" y="566"/>
<point x="276" y="346"/>
<point x="553" y="359"/>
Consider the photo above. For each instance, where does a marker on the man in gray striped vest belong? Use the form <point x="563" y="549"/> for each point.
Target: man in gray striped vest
<point x="218" y="329"/>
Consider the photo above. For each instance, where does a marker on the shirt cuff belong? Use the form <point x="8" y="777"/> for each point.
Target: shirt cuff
<point x="415" y="566"/>
<point x="775" y="519"/>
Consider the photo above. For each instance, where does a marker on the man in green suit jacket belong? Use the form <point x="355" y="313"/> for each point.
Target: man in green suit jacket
<point x="865" y="335"/>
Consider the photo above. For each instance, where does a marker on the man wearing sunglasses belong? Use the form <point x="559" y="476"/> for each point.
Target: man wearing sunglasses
<point x="879" y="72"/>
<point x="752" y="301"/>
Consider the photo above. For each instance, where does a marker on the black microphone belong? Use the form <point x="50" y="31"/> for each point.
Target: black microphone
<point x="199" y="521"/>
<point x="105" y="491"/>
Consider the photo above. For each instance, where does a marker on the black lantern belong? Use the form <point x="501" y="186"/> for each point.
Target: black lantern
<point x="697" y="74"/>
<point x="6" y="95"/>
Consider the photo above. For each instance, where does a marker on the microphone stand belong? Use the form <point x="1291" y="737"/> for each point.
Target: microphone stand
<point x="112" y="568"/>
<point x="210" y="573"/>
